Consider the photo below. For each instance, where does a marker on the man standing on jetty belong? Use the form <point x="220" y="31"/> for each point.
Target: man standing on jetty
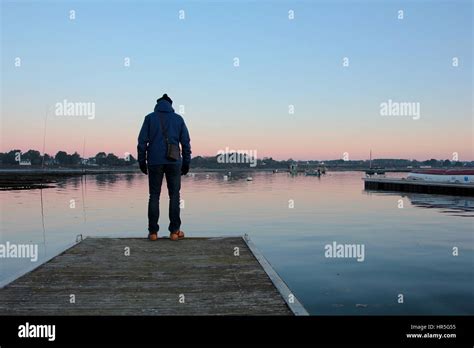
<point x="159" y="155"/>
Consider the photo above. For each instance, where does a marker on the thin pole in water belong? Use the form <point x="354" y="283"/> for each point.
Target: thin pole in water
<point x="42" y="180"/>
<point x="83" y="180"/>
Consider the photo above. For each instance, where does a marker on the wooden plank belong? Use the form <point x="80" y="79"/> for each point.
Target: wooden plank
<point x="203" y="273"/>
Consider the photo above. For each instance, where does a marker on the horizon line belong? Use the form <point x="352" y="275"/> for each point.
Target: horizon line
<point x="258" y="158"/>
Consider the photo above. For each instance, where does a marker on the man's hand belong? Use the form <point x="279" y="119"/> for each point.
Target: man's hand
<point x="184" y="169"/>
<point x="144" y="168"/>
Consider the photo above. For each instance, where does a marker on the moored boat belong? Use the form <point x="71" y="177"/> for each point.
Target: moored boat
<point x="458" y="176"/>
<point x="313" y="172"/>
<point x="374" y="170"/>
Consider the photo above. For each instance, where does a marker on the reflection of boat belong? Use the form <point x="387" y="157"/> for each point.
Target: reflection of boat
<point x="446" y="202"/>
<point x="459" y="205"/>
<point x="457" y="176"/>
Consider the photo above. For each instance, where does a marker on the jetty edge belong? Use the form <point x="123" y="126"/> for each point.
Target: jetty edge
<point x="406" y="185"/>
<point x="195" y="276"/>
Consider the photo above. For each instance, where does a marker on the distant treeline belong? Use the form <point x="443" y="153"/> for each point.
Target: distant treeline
<point x="62" y="158"/>
<point x="268" y="162"/>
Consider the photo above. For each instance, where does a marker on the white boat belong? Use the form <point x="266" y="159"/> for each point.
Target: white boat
<point x="455" y="176"/>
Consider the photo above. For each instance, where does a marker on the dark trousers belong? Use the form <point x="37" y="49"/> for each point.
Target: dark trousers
<point x="173" y="181"/>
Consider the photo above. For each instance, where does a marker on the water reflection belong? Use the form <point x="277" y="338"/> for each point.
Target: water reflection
<point x="447" y="204"/>
<point x="461" y="206"/>
<point x="406" y="249"/>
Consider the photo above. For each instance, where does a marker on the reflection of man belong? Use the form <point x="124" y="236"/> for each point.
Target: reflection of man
<point x="158" y="146"/>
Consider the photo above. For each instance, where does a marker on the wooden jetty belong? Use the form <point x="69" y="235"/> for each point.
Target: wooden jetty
<point x="133" y="276"/>
<point x="395" y="184"/>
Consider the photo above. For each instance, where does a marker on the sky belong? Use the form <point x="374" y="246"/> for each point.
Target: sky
<point x="309" y="83"/>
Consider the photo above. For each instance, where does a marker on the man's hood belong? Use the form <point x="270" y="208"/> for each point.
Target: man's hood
<point x="163" y="106"/>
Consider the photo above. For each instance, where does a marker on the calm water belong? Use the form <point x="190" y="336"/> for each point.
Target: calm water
<point x="407" y="250"/>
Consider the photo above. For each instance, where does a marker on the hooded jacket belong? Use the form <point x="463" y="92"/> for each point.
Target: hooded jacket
<point x="151" y="143"/>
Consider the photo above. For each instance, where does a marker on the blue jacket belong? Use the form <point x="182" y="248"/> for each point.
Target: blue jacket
<point x="151" y="143"/>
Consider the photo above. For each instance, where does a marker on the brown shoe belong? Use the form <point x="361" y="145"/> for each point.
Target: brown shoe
<point x="153" y="236"/>
<point x="176" y="235"/>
